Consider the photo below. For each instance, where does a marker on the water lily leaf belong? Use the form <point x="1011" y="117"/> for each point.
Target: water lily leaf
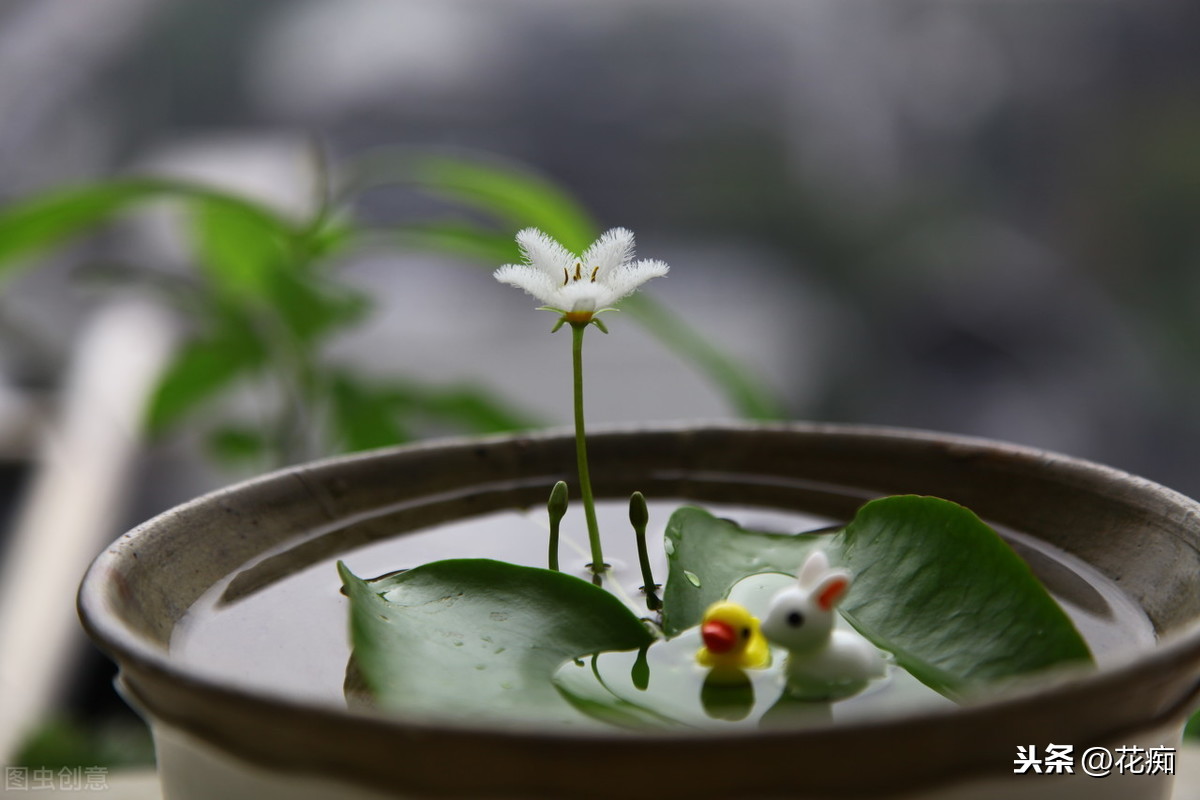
<point x="476" y="639"/>
<point x="948" y="597"/>
<point x="707" y="555"/>
<point x="934" y="585"/>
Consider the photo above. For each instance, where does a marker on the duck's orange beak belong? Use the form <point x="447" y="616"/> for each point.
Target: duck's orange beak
<point x="718" y="637"/>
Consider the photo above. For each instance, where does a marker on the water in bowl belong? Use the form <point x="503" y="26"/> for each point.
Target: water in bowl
<point x="289" y="638"/>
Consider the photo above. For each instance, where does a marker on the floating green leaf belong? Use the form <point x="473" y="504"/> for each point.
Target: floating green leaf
<point x="476" y="639"/>
<point x="708" y="555"/>
<point x="934" y="585"/>
<point x="948" y="597"/>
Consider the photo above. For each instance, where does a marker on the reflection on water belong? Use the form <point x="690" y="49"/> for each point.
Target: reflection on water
<point x="663" y="687"/>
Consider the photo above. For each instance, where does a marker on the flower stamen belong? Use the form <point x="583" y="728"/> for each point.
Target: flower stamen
<point x="566" y="276"/>
<point x="594" y="271"/>
<point x="578" y="267"/>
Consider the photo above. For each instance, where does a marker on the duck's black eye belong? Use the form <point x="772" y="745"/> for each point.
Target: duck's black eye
<point x="745" y="633"/>
<point x="795" y="619"/>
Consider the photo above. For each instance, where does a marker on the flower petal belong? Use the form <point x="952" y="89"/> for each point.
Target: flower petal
<point x="628" y="277"/>
<point x="533" y="280"/>
<point x="545" y="254"/>
<point x="564" y="284"/>
<point x="611" y="250"/>
<point x="582" y="295"/>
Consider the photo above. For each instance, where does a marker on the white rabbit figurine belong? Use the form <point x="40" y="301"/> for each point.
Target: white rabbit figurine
<point x="823" y="663"/>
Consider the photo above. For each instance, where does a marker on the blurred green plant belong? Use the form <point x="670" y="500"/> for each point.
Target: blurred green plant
<point x="266" y="297"/>
<point x="66" y="742"/>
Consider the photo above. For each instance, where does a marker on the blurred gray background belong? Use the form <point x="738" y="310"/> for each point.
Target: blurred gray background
<point x="974" y="217"/>
<point x="977" y="217"/>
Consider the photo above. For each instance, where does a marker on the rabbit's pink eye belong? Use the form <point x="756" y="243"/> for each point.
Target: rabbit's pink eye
<point x="795" y="619"/>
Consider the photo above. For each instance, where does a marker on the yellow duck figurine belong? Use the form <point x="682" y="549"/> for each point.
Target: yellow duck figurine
<point x="732" y="641"/>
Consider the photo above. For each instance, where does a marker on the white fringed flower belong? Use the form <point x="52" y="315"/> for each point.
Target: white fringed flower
<point x="579" y="287"/>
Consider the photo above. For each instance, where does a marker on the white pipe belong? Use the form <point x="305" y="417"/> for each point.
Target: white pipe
<point x="73" y="507"/>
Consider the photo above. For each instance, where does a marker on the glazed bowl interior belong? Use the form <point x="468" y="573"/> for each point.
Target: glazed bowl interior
<point x="1142" y="537"/>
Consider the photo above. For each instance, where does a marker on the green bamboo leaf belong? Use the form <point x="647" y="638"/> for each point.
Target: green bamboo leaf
<point x="471" y="408"/>
<point x="326" y="239"/>
<point x="251" y="259"/>
<point x="200" y="370"/>
<point x="31" y="226"/>
<point x="479" y="640"/>
<point x="370" y="414"/>
<point x="237" y="250"/>
<point x="43" y="221"/>
<point x="234" y="444"/>
<point x="363" y="418"/>
<point x="745" y="392"/>
<point x="310" y="306"/>
<point x="461" y="239"/>
<point x="513" y="194"/>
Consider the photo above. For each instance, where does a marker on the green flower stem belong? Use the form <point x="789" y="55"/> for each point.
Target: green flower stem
<point x="585" y="480"/>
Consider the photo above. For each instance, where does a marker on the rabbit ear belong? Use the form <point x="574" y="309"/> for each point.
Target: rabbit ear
<point x="815" y="566"/>
<point x="831" y="589"/>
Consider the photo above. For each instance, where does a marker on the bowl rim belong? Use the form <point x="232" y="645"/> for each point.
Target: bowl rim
<point x="172" y="692"/>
